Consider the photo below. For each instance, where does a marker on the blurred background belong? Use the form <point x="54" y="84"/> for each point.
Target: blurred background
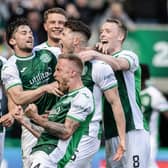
<point x="147" y="22"/>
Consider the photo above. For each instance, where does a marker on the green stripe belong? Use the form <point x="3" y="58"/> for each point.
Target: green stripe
<point x="115" y="85"/>
<point x="71" y="117"/>
<point x="13" y="85"/>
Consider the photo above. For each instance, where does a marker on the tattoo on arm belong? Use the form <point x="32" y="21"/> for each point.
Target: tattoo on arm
<point x="62" y="131"/>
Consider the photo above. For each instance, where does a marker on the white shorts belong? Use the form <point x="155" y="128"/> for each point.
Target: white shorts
<point x="137" y="150"/>
<point x="40" y="159"/>
<point x="2" y="138"/>
<point x="154" y="150"/>
<point x="87" y="148"/>
<point x="28" y="141"/>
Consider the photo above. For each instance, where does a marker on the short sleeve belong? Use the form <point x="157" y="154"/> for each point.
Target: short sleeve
<point x="103" y="76"/>
<point x="10" y="76"/>
<point x="81" y="106"/>
<point x="132" y="58"/>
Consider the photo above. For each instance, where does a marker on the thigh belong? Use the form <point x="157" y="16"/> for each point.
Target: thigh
<point x="87" y="148"/>
<point x="83" y="163"/>
<point x="28" y="141"/>
<point x="40" y="159"/>
<point x="2" y="137"/>
<point x="137" y="149"/>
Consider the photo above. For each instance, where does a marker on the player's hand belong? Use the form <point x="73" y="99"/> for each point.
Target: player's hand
<point x="31" y="111"/>
<point x="120" y="152"/>
<point x="53" y="89"/>
<point x="17" y="113"/>
<point x="45" y="115"/>
<point x="103" y="48"/>
<point x="7" y="120"/>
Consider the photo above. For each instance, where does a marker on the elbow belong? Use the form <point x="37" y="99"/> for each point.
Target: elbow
<point x="18" y="100"/>
<point x="65" y="136"/>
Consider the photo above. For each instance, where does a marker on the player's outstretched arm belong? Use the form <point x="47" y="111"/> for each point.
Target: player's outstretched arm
<point x="112" y="97"/>
<point x="21" y="97"/>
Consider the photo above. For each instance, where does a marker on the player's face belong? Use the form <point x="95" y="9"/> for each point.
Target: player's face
<point x="109" y="33"/>
<point x="63" y="74"/>
<point x="22" y="39"/>
<point x="67" y="38"/>
<point x="54" y="25"/>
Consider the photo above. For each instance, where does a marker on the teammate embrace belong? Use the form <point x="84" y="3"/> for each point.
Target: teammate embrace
<point x="41" y="80"/>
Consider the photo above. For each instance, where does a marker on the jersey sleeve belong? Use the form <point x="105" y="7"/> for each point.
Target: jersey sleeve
<point x="103" y="76"/>
<point x="81" y="106"/>
<point x="159" y="102"/>
<point x="10" y="76"/>
<point x="132" y="58"/>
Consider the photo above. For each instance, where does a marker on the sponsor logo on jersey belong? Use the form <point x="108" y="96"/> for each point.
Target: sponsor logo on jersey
<point x="46" y="58"/>
<point x="41" y="77"/>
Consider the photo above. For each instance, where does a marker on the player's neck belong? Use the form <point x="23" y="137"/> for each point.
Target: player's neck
<point x="21" y="53"/>
<point x="115" y="49"/>
<point x="75" y="84"/>
<point x="52" y="43"/>
<point x="79" y="49"/>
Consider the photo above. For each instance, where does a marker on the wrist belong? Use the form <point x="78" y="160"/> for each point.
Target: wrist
<point x="43" y="89"/>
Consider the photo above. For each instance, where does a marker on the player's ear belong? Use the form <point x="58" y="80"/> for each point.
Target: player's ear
<point x="45" y="27"/>
<point x="76" y="41"/>
<point x="12" y="41"/>
<point x="121" y="36"/>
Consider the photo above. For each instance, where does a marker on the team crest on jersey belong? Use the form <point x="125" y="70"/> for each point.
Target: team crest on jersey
<point x="46" y="58"/>
<point x="85" y="69"/>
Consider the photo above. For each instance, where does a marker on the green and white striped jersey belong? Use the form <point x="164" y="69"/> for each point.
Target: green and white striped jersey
<point x="98" y="77"/>
<point x="55" y="50"/>
<point x="77" y="105"/>
<point x="129" y="86"/>
<point x="31" y="72"/>
<point x="153" y="102"/>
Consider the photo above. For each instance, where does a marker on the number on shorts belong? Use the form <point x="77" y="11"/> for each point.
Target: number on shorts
<point x="37" y="166"/>
<point x="136" y="161"/>
<point x="73" y="157"/>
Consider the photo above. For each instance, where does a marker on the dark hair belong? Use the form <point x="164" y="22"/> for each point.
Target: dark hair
<point x="78" y="26"/>
<point x="120" y="24"/>
<point x="54" y="10"/>
<point x="74" y="58"/>
<point x="13" y="26"/>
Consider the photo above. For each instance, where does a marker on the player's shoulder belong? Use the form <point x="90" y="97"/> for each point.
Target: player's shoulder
<point x="11" y="60"/>
<point x="85" y="91"/>
<point x="96" y="62"/>
<point x="99" y="65"/>
<point x="3" y="59"/>
<point x="41" y="46"/>
<point x="128" y="53"/>
<point x="153" y="90"/>
<point x="44" y="46"/>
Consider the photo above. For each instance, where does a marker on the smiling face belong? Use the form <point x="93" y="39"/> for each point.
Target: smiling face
<point x="22" y="39"/>
<point x="54" y="25"/>
<point x="109" y="33"/>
